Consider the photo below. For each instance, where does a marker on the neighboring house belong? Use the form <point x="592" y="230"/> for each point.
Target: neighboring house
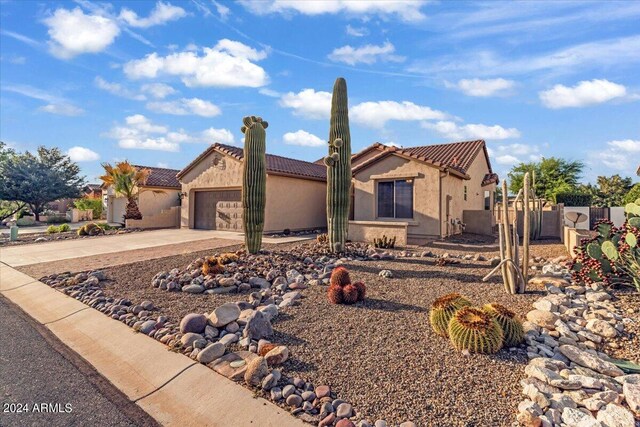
<point x="212" y="188"/>
<point x="160" y="192"/>
<point x="420" y="192"/>
<point x="92" y="191"/>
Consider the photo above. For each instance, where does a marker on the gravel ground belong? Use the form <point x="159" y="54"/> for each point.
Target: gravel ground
<point x="30" y="238"/>
<point x="627" y="346"/>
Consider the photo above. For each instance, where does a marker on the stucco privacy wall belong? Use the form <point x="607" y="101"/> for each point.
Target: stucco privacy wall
<point x="226" y="174"/>
<point x="296" y="204"/>
<point x="153" y="200"/>
<point x="454" y="186"/>
<point x="426" y="191"/>
<point x="366" y="231"/>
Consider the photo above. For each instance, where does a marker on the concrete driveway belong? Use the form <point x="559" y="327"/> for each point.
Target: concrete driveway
<point x="67" y="249"/>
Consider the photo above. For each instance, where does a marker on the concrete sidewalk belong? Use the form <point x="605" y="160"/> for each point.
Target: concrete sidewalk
<point x="170" y="387"/>
<point x="54" y="251"/>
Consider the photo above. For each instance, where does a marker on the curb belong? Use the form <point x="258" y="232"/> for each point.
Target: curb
<point x="170" y="387"/>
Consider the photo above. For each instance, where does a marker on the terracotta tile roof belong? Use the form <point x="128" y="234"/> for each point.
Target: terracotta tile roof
<point x="490" y="178"/>
<point x="455" y="156"/>
<point x="276" y="165"/>
<point x="161" y="177"/>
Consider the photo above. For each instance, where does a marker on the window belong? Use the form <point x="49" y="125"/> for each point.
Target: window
<point x="395" y="199"/>
<point x="487" y="200"/>
<point x="465" y="193"/>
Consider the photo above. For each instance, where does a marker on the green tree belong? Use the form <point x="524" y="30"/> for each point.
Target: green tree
<point x="608" y="191"/>
<point x="553" y="175"/>
<point x="632" y="195"/>
<point x="7" y="207"/>
<point x="38" y="179"/>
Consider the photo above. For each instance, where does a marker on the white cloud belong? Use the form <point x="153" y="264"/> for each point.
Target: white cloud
<point x="118" y="89"/>
<point x="163" y="165"/>
<point x="223" y="136"/>
<point x="185" y="106"/>
<point x="408" y="11"/>
<point x="376" y="114"/>
<point x="62" y="109"/>
<point x="303" y="138"/>
<point x="227" y="64"/>
<point x="308" y="103"/>
<point x="507" y="159"/>
<point x="483" y="88"/>
<point x="269" y="92"/>
<point x="223" y="11"/>
<point x="161" y="14"/>
<point x="626" y="145"/>
<point x="583" y="94"/>
<point x="73" y="33"/>
<point x="140" y="133"/>
<point x="452" y="130"/>
<point x="356" y="31"/>
<point x="511" y="154"/>
<point x="82" y="154"/>
<point x="367" y="54"/>
<point x="158" y="90"/>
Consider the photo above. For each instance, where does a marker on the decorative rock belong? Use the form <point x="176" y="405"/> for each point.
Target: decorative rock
<point x="189" y="338"/>
<point x="224" y="315"/>
<point x="225" y="282"/>
<point x="574" y="417"/>
<point x="148" y="327"/>
<point x="602" y="328"/>
<point x="228" y="339"/>
<point x="632" y="396"/>
<point x="277" y="356"/>
<point x="294" y="400"/>
<point x="614" y="415"/>
<point x="588" y="360"/>
<point x="211" y="353"/>
<point x="541" y="318"/>
<point x="386" y="274"/>
<point x="344" y="410"/>
<point x="257" y="369"/>
<point x="193" y="322"/>
<point x="345" y="423"/>
<point x="258" y="326"/>
<point x="328" y="420"/>
<point x="193" y="289"/>
<point x="323" y="391"/>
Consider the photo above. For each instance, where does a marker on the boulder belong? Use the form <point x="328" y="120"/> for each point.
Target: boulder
<point x="545" y="319"/>
<point x="258" y="326"/>
<point x="224" y="315"/>
<point x="614" y="415"/>
<point x="193" y="322"/>
<point x="632" y="396"/>
<point x="602" y="328"/>
<point x="590" y="361"/>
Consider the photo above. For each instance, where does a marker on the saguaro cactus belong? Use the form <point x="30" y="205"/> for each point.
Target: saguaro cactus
<point x="338" y="163"/>
<point x="254" y="181"/>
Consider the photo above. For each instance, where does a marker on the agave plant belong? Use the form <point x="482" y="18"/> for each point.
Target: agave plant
<point x="126" y="180"/>
<point x="613" y="255"/>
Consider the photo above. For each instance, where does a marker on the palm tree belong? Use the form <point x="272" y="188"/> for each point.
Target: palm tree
<point x="126" y="180"/>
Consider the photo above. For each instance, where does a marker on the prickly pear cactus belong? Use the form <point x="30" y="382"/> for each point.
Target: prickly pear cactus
<point x="254" y="181"/>
<point x="338" y="162"/>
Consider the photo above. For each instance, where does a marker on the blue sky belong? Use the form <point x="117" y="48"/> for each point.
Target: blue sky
<point x="155" y="82"/>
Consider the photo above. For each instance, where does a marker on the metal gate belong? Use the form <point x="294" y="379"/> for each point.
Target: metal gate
<point x="596" y="214"/>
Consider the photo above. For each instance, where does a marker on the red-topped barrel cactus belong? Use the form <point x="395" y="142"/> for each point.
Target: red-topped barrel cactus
<point x="342" y="291"/>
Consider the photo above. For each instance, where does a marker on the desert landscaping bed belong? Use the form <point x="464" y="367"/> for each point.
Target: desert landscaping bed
<point x="39" y="238"/>
<point x="380" y="354"/>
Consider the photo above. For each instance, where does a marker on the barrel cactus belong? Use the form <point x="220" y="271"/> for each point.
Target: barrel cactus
<point x="508" y="321"/>
<point x="362" y="290"/>
<point x="476" y="331"/>
<point x="254" y="181"/>
<point x="340" y="277"/>
<point x="349" y="294"/>
<point x="338" y="162"/>
<point x="342" y="291"/>
<point x="443" y="308"/>
<point x="334" y="294"/>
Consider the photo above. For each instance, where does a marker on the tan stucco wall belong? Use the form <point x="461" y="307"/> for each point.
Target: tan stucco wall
<point x="367" y="231"/>
<point x="204" y="176"/>
<point x="426" y="192"/>
<point x="296" y="204"/>
<point x="152" y="203"/>
<point x="364" y="157"/>
<point x="168" y="218"/>
<point x="454" y="186"/>
<point x="291" y="203"/>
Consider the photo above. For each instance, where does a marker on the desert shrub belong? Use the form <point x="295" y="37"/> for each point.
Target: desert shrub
<point x="212" y="266"/>
<point x="574" y="199"/>
<point x="474" y="330"/>
<point x="89" y="203"/>
<point x="90" y="229"/>
<point x="52" y="229"/>
<point x="632" y="195"/>
<point x="63" y="228"/>
<point x="384" y="242"/>
<point x="613" y="255"/>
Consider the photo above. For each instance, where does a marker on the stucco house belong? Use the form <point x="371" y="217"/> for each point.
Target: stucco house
<point x="212" y="186"/>
<point x="423" y="192"/>
<point x="156" y="197"/>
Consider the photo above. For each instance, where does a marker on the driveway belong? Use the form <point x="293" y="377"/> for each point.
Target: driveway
<point x="60" y="250"/>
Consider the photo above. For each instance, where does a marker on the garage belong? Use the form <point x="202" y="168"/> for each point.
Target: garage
<point x="218" y="210"/>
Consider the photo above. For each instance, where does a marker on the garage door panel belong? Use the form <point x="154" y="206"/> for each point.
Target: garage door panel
<point x="218" y="210"/>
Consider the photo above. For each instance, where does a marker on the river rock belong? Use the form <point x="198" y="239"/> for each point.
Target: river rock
<point x="277" y="356"/>
<point x="211" y="353"/>
<point x="257" y="369"/>
<point x="257" y="327"/>
<point x="224" y="315"/>
<point x="193" y="322"/>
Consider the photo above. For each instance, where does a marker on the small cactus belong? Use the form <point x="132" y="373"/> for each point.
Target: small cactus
<point x="384" y="242"/>
<point x="227" y="258"/>
<point x="508" y="321"/>
<point x="443" y="308"/>
<point x="212" y="266"/>
<point x="340" y="277"/>
<point x="475" y="330"/>
<point x="362" y="290"/>
<point x="322" y="239"/>
<point x="334" y="293"/>
<point x="350" y="294"/>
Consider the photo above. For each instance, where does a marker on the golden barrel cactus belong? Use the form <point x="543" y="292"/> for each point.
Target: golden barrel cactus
<point x="508" y="321"/>
<point x="475" y="330"/>
<point x="443" y="308"/>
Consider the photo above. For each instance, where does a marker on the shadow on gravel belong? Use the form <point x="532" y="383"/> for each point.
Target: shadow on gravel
<point x="385" y="305"/>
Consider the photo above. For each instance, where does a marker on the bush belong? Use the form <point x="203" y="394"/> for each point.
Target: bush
<point x="88" y="203"/>
<point x="57" y="219"/>
<point x="632" y="195"/>
<point x="63" y="228"/>
<point x="574" y="199"/>
<point x="52" y="229"/>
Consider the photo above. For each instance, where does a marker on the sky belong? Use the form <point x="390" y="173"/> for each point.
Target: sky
<point x="156" y="82"/>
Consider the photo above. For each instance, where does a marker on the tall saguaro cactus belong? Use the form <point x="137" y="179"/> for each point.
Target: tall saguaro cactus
<point x="338" y="164"/>
<point x="254" y="181"/>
